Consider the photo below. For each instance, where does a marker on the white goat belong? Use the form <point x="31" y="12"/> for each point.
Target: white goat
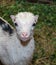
<point x="17" y="47"/>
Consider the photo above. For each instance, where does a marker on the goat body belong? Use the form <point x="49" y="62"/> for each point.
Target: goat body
<point x="11" y="50"/>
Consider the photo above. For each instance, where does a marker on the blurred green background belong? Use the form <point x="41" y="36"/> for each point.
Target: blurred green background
<point x="45" y="30"/>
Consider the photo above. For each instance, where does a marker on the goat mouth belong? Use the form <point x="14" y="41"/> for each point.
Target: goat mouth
<point x="24" y="39"/>
<point x="25" y="42"/>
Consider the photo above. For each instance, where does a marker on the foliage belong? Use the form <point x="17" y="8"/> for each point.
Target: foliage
<point x="45" y="30"/>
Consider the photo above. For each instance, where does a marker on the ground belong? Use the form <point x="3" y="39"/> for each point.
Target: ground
<point x="45" y="30"/>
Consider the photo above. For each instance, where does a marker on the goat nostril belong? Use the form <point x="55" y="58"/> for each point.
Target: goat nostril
<point x="24" y="34"/>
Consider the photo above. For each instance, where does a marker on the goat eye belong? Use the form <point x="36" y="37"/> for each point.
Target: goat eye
<point x="16" y="24"/>
<point x="33" y="24"/>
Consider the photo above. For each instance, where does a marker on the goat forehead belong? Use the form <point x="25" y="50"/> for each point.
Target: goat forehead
<point x="24" y="14"/>
<point x="25" y="17"/>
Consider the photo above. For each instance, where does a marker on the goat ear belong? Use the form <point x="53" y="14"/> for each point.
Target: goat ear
<point x="36" y="18"/>
<point x="12" y="17"/>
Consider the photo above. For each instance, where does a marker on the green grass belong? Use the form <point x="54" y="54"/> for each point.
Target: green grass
<point x="45" y="30"/>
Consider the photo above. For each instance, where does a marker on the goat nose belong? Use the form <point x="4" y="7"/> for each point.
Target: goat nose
<point x="24" y="34"/>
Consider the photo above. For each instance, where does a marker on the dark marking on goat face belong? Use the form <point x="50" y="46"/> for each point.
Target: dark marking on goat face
<point x="6" y="27"/>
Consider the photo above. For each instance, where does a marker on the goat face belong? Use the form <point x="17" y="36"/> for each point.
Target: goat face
<point x="24" y="23"/>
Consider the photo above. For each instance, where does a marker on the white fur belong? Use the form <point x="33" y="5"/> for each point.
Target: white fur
<point x="11" y="50"/>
